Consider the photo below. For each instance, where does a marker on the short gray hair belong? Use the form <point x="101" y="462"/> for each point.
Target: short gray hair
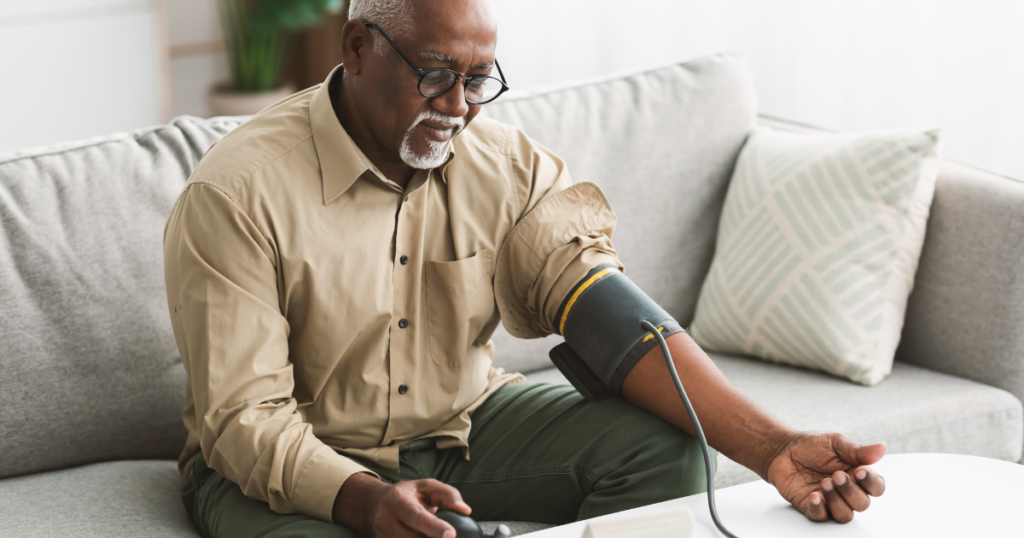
<point x="393" y="16"/>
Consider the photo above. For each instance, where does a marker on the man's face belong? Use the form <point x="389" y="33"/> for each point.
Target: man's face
<point x="455" y="34"/>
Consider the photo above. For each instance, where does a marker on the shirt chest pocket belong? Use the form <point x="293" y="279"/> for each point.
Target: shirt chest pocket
<point x="460" y="301"/>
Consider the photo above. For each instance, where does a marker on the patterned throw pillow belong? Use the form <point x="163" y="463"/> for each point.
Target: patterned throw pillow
<point x="817" y="248"/>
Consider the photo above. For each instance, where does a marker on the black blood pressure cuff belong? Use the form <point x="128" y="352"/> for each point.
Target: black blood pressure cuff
<point x="600" y="320"/>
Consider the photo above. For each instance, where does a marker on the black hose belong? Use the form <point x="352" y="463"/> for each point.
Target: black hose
<point x="696" y="426"/>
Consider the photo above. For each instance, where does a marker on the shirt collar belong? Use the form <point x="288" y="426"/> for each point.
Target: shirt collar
<point x="341" y="160"/>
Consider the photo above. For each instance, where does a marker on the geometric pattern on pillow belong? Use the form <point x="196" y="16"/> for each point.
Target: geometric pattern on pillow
<point x="817" y="248"/>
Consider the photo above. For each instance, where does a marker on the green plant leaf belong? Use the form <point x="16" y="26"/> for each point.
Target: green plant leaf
<point x="290" y="15"/>
<point x="259" y="34"/>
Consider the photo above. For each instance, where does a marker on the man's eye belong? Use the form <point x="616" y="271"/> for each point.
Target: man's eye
<point x="437" y="77"/>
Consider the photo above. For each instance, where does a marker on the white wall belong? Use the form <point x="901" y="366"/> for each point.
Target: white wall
<point x="841" y="64"/>
<point x="77" y="68"/>
<point x="73" y="69"/>
<point x="197" y="56"/>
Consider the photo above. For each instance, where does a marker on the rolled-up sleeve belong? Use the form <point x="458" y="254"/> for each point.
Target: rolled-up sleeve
<point x="222" y="296"/>
<point x="565" y="231"/>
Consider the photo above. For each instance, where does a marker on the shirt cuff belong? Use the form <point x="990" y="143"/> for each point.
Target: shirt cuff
<point x="320" y="480"/>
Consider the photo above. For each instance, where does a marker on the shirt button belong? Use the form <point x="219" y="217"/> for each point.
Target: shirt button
<point x="406" y="198"/>
<point x="403" y="323"/>
<point x="404" y="260"/>
<point x="402" y="389"/>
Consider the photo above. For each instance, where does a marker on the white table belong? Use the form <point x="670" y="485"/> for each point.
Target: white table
<point x="927" y="495"/>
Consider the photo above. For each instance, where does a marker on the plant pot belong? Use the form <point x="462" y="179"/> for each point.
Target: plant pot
<point x="226" y="102"/>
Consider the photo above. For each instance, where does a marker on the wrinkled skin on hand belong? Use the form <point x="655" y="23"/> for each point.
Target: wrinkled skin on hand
<point x="408" y="508"/>
<point x="826" y="475"/>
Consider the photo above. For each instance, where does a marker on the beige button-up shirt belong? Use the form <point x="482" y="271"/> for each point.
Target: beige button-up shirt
<point x="322" y="312"/>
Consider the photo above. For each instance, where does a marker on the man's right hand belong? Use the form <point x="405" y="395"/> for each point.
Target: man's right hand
<point x="406" y="509"/>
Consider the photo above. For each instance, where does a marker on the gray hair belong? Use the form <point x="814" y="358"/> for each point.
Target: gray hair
<point x="394" y="16"/>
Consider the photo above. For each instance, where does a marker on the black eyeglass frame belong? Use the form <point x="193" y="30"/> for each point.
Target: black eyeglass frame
<point x="458" y="76"/>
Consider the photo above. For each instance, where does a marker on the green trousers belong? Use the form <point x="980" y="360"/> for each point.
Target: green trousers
<point x="539" y="453"/>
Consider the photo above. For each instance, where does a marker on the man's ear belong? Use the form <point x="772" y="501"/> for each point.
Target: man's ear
<point x="355" y="42"/>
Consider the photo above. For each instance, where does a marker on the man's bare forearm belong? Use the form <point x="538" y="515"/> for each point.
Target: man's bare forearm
<point x="732" y="423"/>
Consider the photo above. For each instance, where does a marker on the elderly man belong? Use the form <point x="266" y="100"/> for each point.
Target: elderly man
<point x="335" y="268"/>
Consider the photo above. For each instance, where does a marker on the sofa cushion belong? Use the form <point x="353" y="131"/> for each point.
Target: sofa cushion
<point x="966" y="314"/>
<point x="913" y="410"/>
<point x="124" y="498"/>
<point x="90" y="369"/>
<point x="817" y="249"/>
<point x="662" y="145"/>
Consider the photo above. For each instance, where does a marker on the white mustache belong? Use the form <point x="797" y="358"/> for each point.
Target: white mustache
<point x="458" y="121"/>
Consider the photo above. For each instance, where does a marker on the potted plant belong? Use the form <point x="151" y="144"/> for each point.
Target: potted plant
<point x="259" y="34"/>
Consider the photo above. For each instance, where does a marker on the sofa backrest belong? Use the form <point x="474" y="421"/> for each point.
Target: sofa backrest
<point x="662" y="145"/>
<point x="89" y="370"/>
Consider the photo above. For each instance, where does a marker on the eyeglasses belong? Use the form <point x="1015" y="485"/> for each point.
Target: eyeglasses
<point x="479" y="89"/>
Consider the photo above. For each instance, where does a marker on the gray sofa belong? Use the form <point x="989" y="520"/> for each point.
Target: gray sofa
<point x="91" y="385"/>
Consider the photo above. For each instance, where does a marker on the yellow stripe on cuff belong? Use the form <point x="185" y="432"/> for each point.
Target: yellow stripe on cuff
<point x="568" y="306"/>
<point x="649" y="336"/>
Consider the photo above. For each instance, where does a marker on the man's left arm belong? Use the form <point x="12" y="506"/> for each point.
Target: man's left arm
<point x="560" y="242"/>
<point x="806" y="468"/>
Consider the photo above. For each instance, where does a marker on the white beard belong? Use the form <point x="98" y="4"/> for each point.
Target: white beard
<point x="437" y="151"/>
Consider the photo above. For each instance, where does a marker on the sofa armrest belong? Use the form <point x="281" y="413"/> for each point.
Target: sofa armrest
<point x="965" y="316"/>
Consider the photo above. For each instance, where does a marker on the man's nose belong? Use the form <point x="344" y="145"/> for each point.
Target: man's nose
<point x="453" y="101"/>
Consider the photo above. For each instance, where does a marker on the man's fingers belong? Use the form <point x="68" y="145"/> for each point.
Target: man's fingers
<point x="415" y="516"/>
<point x="445" y="497"/>
<point x="430" y="525"/>
<point x="856" y="454"/>
<point x="840" y="511"/>
<point x="869" y="480"/>
<point x="870" y="454"/>
<point x="814" y="507"/>
<point x="854" y="496"/>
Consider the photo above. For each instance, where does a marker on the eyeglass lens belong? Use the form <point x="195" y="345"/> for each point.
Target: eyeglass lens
<point x="478" y="90"/>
